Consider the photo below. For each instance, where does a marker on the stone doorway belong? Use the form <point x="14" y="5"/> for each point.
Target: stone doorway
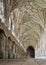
<point x="30" y="52"/>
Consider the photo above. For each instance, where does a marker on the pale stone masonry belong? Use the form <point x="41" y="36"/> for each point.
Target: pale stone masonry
<point x="22" y="23"/>
<point x="9" y="44"/>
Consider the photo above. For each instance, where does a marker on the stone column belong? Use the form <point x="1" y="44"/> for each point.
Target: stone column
<point x="16" y="51"/>
<point x="10" y="48"/>
<point x="6" y="49"/>
<point x="4" y="42"/>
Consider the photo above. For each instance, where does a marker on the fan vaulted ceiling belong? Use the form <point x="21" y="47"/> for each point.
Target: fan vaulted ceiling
<point x="29" y="19"/>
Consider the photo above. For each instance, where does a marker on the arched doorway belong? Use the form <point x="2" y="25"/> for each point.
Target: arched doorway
<point x="30" y="52"/>
<point x="2" y="39"/>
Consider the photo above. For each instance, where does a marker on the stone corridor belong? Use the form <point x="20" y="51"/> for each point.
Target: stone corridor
<point x="23" y="32"/>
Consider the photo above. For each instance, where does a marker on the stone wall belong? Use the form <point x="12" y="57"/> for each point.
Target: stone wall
<point x="9" y="46"/>
<point x="40" y="50"/>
